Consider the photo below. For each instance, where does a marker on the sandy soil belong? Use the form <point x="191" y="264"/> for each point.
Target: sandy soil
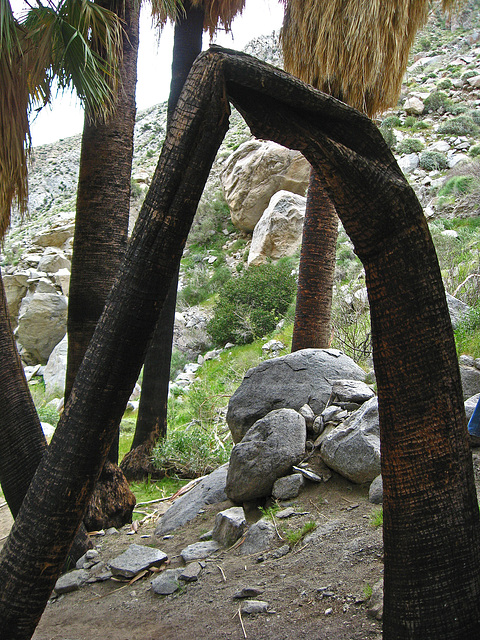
<point x="315" y="592"/>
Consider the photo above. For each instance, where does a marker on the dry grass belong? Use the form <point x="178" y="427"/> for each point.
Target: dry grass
<point x="218" y="13"/>
<point x="352" y="49"/>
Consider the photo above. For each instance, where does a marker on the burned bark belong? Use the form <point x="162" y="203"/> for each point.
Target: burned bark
<point x="431" y="517"/>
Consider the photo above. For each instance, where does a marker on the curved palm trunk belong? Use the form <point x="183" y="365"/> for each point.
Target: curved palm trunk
<point x="23" y="442"/>
<point x="431" y="516"/>
<point x="152" y="412"/>
<point x="101" y="227"/>
<point x="312" y="326"/>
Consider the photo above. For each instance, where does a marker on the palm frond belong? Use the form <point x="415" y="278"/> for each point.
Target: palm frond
<point x="15" y="132"/>
<point x="80" y="44"/>
<point x="218" y="13"/>
<point x="352" y="49"/>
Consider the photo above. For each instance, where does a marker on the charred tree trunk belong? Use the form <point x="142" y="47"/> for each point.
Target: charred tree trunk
<point x="152" y="412"/>
<point x="23" y="442"/>
<point x="312" y="326"/>
<point x="431" y="516"/>
<point x="101" y="228"/>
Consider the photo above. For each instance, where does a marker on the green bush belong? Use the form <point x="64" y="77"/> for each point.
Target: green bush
<point x="251" y="305"/>
<point x="190" y="452"/>
<point x="475" y="116"/>
<point x="437" y="100"/>
<point x="475" y="151"/>
<point x="410" y="145"/>
<point x="389" y="137"/>
<point x="212" y="215"/>
<point x="445" y="84"/>
<point x="391" y="121"/>
<point x="457" y="185"/>
<point x="459" y="126"/>
<point x="433" y="160"/>
<point x="202" y="283"/>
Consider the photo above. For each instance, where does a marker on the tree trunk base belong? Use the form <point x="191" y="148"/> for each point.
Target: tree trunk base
<point x="112" y="502"/>
<point x="137" y="464"/>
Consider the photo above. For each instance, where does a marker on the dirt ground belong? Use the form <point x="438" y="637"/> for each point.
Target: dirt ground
<point x="315" y="592"/>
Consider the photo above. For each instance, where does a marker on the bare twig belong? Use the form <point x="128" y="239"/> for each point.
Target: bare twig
<point x="472" y="275"/>
<point x="239" y="614"/>
<point x="221" y="571"/>
<point x="276" y="528"/>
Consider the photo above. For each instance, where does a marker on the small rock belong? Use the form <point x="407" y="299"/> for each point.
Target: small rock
<point x="375" y="493"/>
<point x="285" y="513"/>
<point x="199" y="550"/>
<point x="166" y="582"/>
<point x="191" y="572"/>
<point x="307" y="412"/>
<point x="91" y="554"/>
<point x="247" y="592"/>
<point x="112" y="531"/>
<point x="254" y="606"/>
<point x="229" y="526"/>
<point x="71" y="581"/>
<point x="136" y="558"/>
<point x="375" y="606"/>
<point x="288" y="486"/>
<point x="259" y="537"/>
<point x="281" y="551"/>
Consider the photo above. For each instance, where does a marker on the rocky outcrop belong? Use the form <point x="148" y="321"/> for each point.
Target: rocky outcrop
<point x="278" y="233"/>
<point x="254" y="173"/>
<point x="291" y="381"/>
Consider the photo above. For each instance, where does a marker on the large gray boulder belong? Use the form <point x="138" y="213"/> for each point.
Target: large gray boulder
<point x="267" y="452"/>
<point x="210" y="490"/>
<point x="303" y="377"/>
<point x="278" y="233"/>
<point x="55" y="370"/>
<point x="254" y="172"/>
<point x="16" y="287"/>
<point x="353" y="449"/>
<point x="42" y="323"/>
<point x="470" y="381"/>
<point x="459" y="311"/>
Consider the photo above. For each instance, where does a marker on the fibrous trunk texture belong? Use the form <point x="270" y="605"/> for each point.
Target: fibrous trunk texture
<point x="431" y="516"/>
<point x="312" y="327"/>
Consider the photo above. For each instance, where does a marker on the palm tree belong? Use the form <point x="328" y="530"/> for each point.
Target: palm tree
<point x="356" y="51"/>
<point x="197" y="16"/>
<point x="431" y="516"/>
<point x="44" y="45"/>
<point x="101" y="228"/>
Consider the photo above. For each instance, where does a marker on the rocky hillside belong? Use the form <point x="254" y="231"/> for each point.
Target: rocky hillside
<point x="434" y="132"/>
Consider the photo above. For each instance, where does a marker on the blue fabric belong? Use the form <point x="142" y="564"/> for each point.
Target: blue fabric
<point x="474" y="422"/>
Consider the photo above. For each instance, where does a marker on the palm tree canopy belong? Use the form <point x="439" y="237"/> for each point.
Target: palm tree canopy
<point x="218" y="13"/>
<point x="356" y="50"/>
<point x="48" y="43"/>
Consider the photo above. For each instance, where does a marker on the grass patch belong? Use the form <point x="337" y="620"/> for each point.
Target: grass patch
<point x="293" y="536"/>
<point x="376" y="518"/>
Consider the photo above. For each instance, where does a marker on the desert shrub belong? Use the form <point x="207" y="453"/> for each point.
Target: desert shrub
<point x="475" y="116"/>
<point x="191" y="451"/>
<point x="202" y="282"/>
<point x="433" y="160"/>
<point x="459" y="126"/>
<point x="212" y="215"/>
<point x="457" y="185"/>
<point x="391" y="121"/>
<point x="469" y="74"/>
<point x="475" y="151"/>
<point x="389" y="137"/>
<point x="436" y="100"/>
<point x="251" y="305"/>
<point x="409" y="145"/>
<point x="444" y="84"/>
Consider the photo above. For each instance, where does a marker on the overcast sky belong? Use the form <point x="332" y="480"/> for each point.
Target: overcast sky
<point x="65" y="117"/>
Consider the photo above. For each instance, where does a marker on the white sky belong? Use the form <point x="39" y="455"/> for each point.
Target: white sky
<point x="65" y="117"/>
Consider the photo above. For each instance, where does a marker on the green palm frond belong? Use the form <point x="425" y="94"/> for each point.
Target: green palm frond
<point x="80" y="44"/>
